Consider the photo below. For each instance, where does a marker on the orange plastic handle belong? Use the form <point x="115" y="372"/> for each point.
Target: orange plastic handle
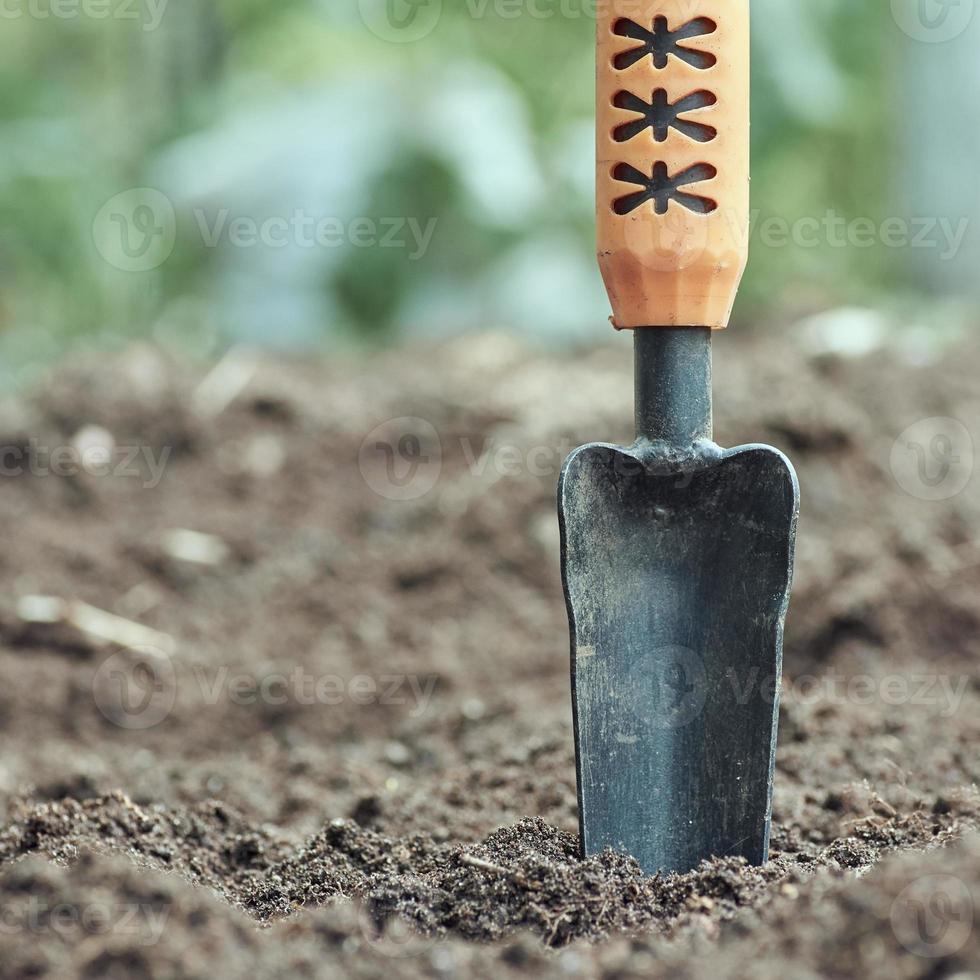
<point x="672" y="159"/>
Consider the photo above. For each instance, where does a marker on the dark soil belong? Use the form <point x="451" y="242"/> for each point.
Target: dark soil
<point x="405" y="804"/>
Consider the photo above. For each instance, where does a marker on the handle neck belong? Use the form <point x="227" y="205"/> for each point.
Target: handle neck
<point x="673" y="384"/>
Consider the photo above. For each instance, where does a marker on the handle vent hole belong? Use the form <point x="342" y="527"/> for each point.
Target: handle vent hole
<point x="659" y="115"/>
<point x="660" y="188"/>
<point x="660" y="42"/>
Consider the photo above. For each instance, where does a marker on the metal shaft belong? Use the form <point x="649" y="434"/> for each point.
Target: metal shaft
<point x="673" y="384"/>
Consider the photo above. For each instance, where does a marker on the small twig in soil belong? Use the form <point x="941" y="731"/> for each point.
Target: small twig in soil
<point x="550" y="941"/>
<point x="96" y="624"/>
<point x="223" y="384"/>
<point x="475" y="862"/>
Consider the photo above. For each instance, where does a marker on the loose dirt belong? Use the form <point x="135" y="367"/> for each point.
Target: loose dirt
<point x="338" y="741"/>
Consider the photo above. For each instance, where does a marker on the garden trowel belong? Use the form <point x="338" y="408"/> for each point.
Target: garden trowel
<point x="677" y="554"/>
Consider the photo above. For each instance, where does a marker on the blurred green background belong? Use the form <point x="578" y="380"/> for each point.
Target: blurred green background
<point x="444" y="150"/>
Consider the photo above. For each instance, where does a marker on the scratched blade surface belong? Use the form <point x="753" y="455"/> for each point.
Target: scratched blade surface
<point x="677" y="585"/>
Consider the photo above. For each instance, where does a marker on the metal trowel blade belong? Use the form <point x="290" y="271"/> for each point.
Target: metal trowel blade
<point x="677" y="576"/>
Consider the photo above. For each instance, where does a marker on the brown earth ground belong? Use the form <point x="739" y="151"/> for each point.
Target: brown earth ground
<point x="416" y="815"/>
